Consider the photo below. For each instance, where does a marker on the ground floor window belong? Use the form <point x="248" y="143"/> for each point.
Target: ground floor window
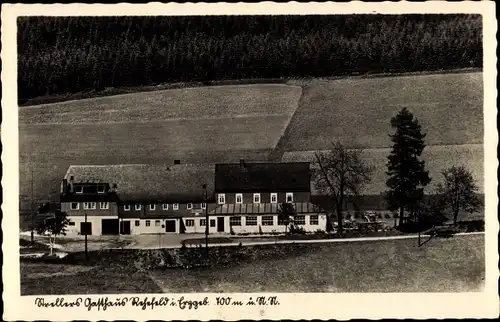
<point x="212" y="222"/>
<point x="157" y="223"/>
<point x="251" y="220"/>
<point x="235" y="221"/>
<point x="137" y="223"/>
<point x="313" y="220"/>
<point x="203" y="222"/>
<point x="299" y="220"/>
<point x="267" y="220"/>
<point x="71" y="223"/>
<point x="148" y="223"/>
<point x="189" y="222"/>
<point x="104" y="205"/>
<point x="75" y="206"/>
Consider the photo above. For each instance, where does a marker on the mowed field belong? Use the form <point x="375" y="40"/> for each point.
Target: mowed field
<point x="254" y="122"/>
<point x="441" y="265"/>
<point x="207" y="124"/>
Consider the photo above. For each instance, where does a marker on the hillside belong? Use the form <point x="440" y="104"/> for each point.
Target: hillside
<point x="59" y="55"/>
<point x="227" y="123"/>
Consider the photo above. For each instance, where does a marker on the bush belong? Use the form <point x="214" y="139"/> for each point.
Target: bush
<point x="232" y="231"/>
<point x="297" y="230"/>
<point x="471" y="226"/>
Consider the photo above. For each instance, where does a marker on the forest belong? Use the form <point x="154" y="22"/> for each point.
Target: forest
<point x="74" y="54"/>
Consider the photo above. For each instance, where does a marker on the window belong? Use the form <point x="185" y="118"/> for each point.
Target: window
<point x="164" y="206"/>
<point x="148" y="223"/>
<point x="104" y="205"/>
<point x="126" y="207"/>
<point x="289" y="197"/>
<point x="203" y="222"/>
<point x="176" y="206"/>
<point x="203" y="205"/>
<point x="274" y="198"/>
<point x="79" y="189"/>
<point x="299" y="220"/>
<point x="222" y="198"/>
<point x="137" y="223"/>
<point x="313" y="220"/>
<point x="157" y="223"/>
<point x="189" y="206"/>
<point x="256" y="198"/>
<point x="251" y="220"/>
<point x="137" y="207"/>
<point x="75" y="206"/>
<point x="212" y="222"/>
<point x="71" y="223"/>
<point x="267" y="220"/>
<point x="235" y="221"/>
<point x="152" y="206"/>
<point x="100" y="189"/>
<point x="89" y="205"/>
<point x="189" y="222"/>
<point x="239" y="198"/>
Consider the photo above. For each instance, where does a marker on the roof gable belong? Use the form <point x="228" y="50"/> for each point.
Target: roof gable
<point x="145" y="182"/>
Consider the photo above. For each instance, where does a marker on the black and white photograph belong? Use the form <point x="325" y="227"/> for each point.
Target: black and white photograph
<point x="272" y="153"/>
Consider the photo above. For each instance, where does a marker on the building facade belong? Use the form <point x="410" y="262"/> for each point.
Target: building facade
<point x="249" y="195"/>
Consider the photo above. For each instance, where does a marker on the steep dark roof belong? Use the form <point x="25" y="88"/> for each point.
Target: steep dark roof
<point x="145" y="182"/>
<point x="262" y="177"/>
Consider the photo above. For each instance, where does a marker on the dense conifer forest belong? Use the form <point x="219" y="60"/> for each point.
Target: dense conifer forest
<point x="73" y="54"/>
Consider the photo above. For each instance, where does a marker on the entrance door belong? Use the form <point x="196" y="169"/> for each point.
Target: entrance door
<point x="125" y="227"/>
<point x="110" y="226"/>
<point x="220" y="224"/>
<point x="170" y="226"/>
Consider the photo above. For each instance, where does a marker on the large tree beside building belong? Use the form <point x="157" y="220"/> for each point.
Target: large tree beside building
<point x="407" y="174"/>
<point x="286" y="212"/>
<point x="340" y="173"/>
<point x="459" y="191"/>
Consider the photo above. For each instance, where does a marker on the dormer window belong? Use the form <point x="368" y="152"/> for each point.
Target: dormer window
<point x="126" y="207"/>
<point x="79" y="189"/>
<point x="152" y="206"/>
<point x="256" y="198"/>
<point x="165" y="206"/>
<point x="239" y="198"/>
<point x="222" y="199"/>
<point x="189" y="206"/>
<point x="137" y="207"/>
<point x="274" y="198"/>
<point x="176" y="206"/>
<point x="100" y="189"/>
<point x="289" y="197"/>
<point x="203" y="205"/>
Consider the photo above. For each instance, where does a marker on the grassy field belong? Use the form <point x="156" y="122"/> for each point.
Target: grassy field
<point x="437" y="157"/>
<point x="254" y="122"/>
<point x="441" y="265"/>
<point x="219" y="123"/>
<point x="358" y="111"/>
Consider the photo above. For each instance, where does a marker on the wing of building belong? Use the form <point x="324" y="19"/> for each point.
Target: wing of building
<point x="140" y="198"/>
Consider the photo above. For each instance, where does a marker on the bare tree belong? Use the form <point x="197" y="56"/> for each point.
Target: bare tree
<point x="340" y="173"/>
<point x="459" y="192"/>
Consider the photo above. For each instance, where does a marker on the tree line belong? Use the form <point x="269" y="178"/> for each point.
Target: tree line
<point x="73" y="54"/>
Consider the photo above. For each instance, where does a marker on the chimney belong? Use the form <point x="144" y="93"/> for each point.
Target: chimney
<point x="64" y="186"/>
<point x="177" y="161"/>
<point x="242" y="163"/>
<point x="71" y="182"/>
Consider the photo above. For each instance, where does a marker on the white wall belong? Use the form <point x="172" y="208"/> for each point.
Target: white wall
<point x="275" y="227"/>
<point x="95" y="220"/>
<point x="152" y="228"/>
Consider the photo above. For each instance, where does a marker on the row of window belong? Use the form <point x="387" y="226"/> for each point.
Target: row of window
<point x="256" y="198"/>
<point x="188" y="223"/>
<point x="90" y="205"/>
<point x="79" y="189"/>
<point x="269" y="220"/>
<point x="175" y="206"/>
<point x="138" y="207"/>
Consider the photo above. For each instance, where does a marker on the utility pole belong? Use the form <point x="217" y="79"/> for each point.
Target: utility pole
<point x="32" y="211"/>
<point x="86" y="233"/>
<point x="206" y="217"/>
